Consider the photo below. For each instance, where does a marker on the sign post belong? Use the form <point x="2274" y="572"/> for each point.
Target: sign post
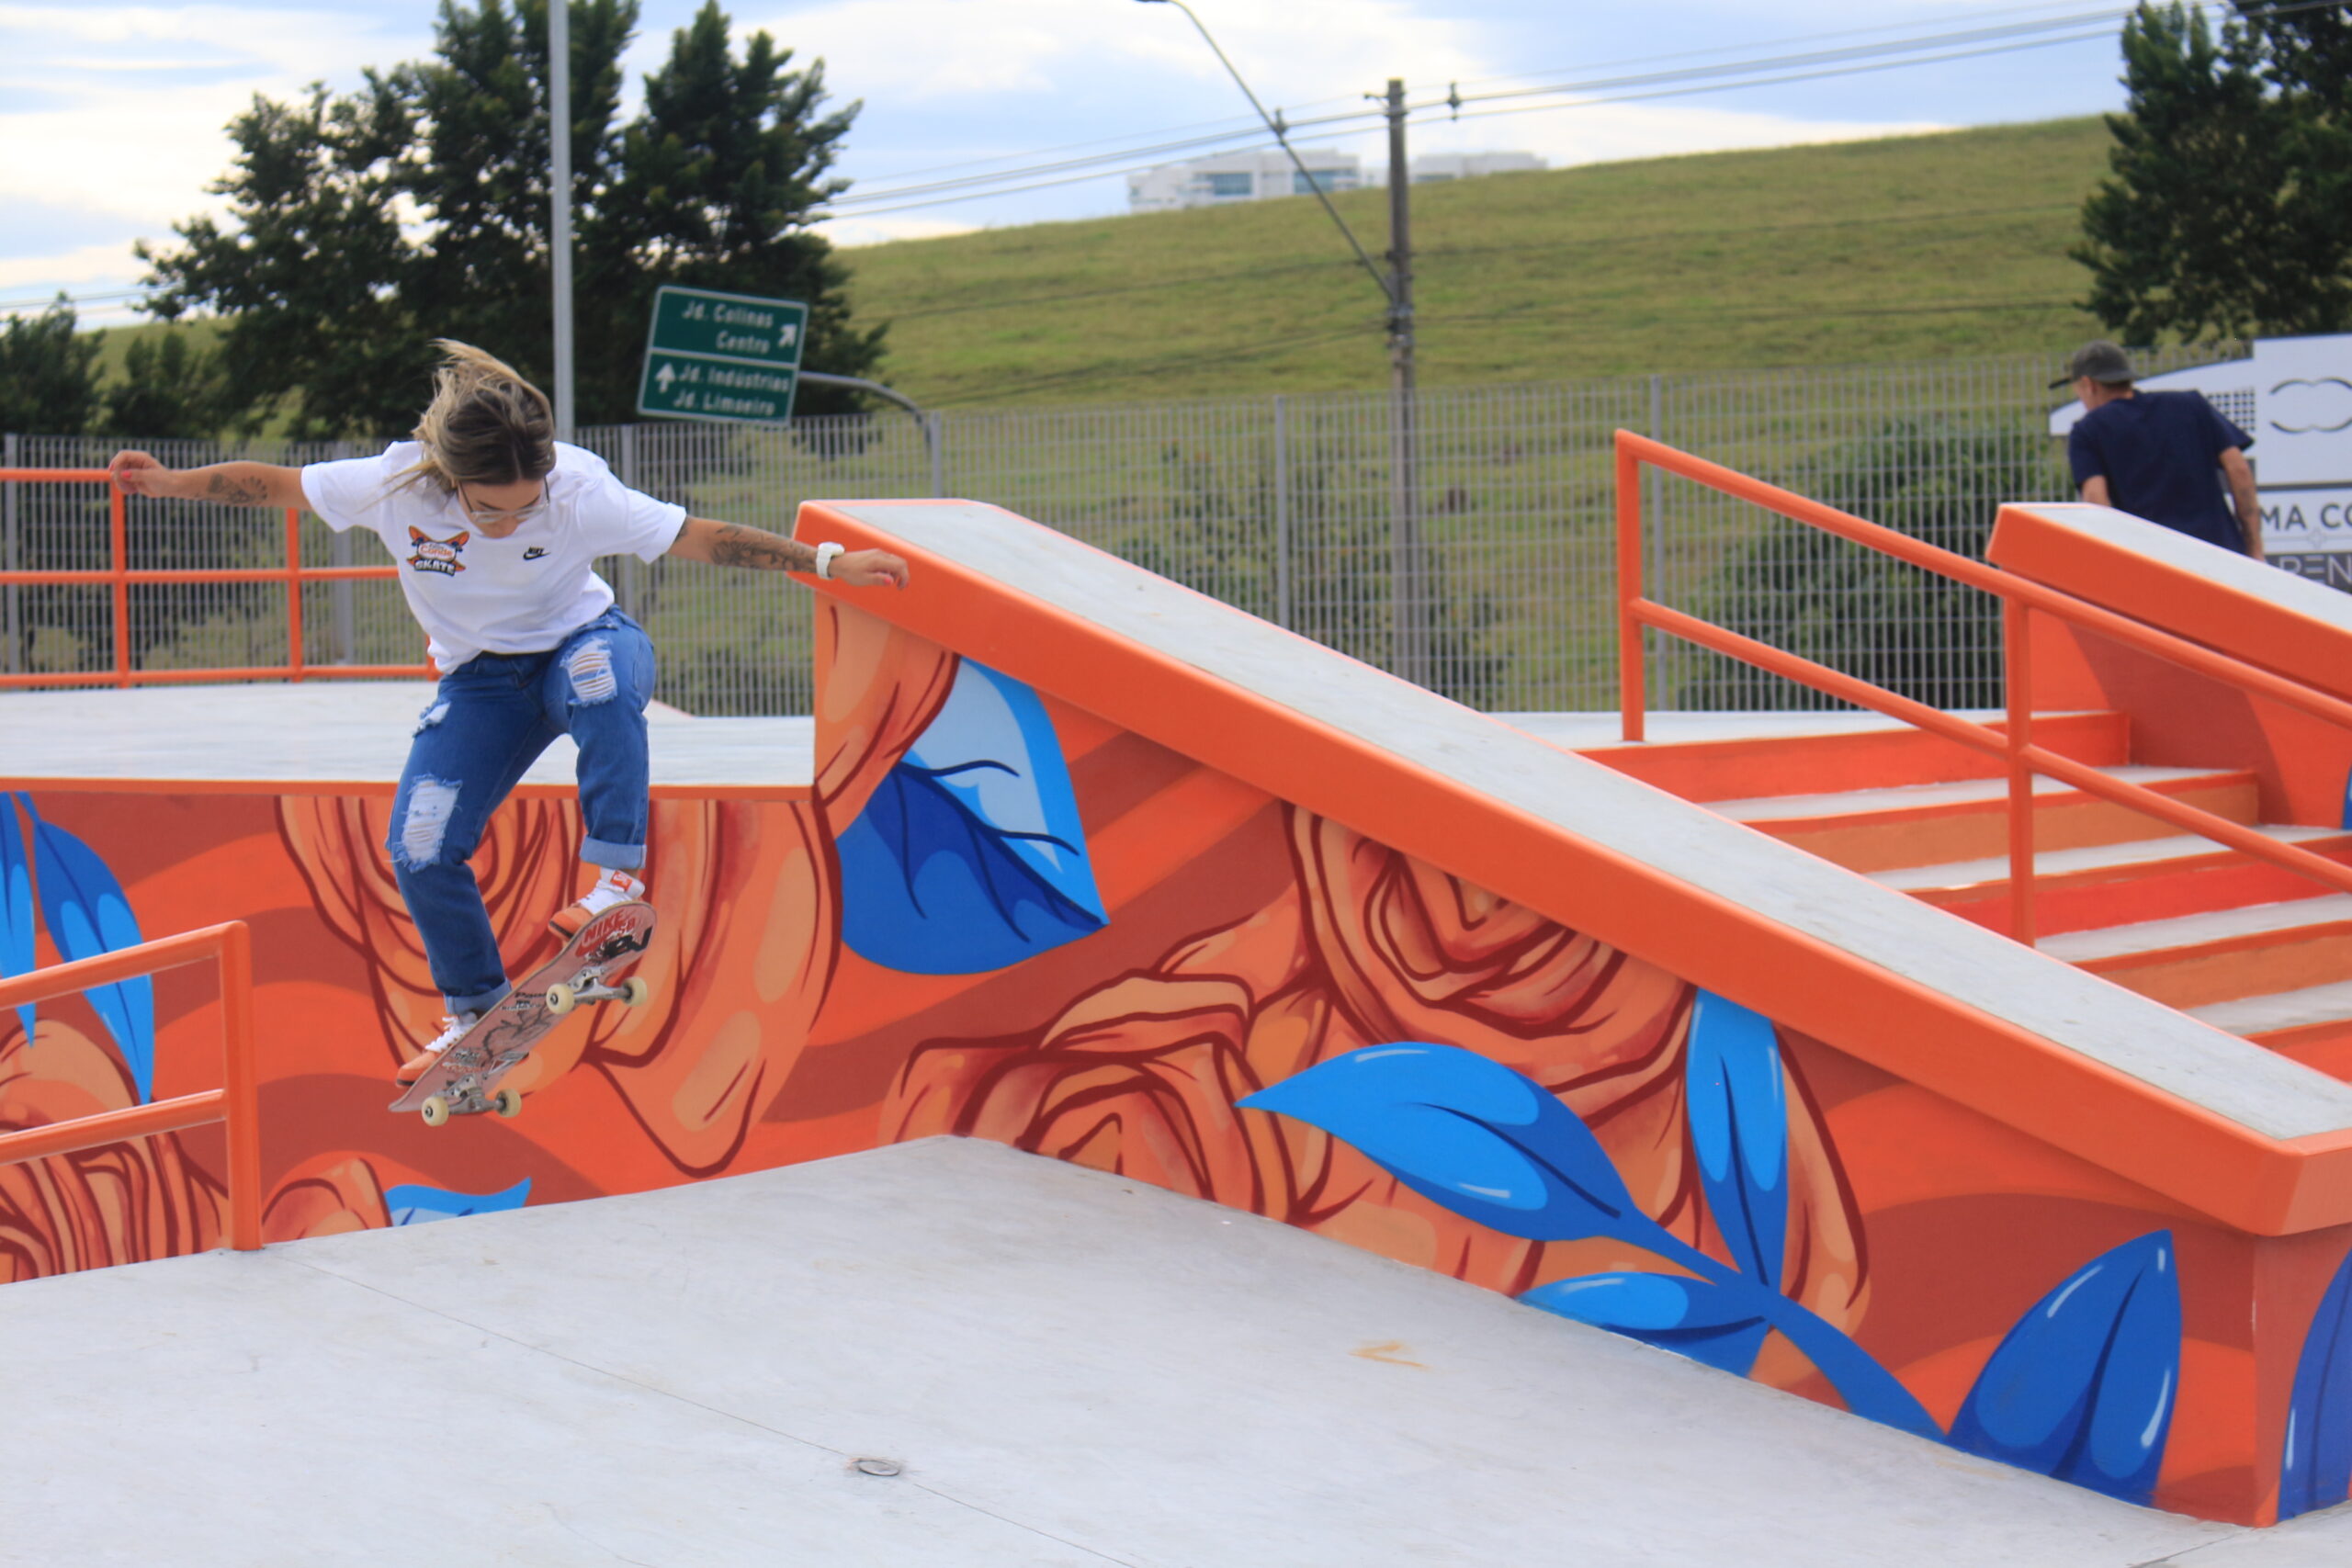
<point x="731" y="358"/>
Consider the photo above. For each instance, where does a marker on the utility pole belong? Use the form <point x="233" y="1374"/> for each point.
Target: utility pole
<point x="1408" y="608"/>
<point x="559" y="229"/>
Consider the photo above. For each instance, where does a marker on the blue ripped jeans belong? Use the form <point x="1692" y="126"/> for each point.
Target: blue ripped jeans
<point x="489" y="721"/>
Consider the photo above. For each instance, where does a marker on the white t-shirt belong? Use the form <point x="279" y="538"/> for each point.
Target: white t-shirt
<point x="524" y="593"/>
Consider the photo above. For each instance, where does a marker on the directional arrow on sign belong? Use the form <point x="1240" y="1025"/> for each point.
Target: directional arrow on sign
<point x="668" y="374"/>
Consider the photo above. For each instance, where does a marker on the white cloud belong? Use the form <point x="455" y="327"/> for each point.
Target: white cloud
<point x="1300" y="51"/>
<point x="91" y="267"/>
<point x="1592" y="133"/>
<point x="882" y="231"/>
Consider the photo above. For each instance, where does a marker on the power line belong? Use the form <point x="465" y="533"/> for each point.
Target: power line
<point x="1719" y="76"/>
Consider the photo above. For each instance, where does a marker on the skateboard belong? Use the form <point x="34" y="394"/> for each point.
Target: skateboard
<point x="463" y="1082"/>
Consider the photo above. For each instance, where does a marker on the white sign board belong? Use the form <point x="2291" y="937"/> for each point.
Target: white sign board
<point x="2294" y="397"/>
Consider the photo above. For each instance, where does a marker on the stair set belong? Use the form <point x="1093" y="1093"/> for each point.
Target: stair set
<point x="2247" y="947"/>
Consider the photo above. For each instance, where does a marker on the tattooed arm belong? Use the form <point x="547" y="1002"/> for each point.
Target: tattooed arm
<point x="230" y="484"/>
<point x="732" y="544"/>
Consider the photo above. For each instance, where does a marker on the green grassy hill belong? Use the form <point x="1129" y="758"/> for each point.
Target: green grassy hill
<point x="1910" y="248"/>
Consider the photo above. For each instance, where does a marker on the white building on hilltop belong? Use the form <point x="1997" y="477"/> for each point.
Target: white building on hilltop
<point x="1263" y="175"/>
<point x="1240" y="176"/>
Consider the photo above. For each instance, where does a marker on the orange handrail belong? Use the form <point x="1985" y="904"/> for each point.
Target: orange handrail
<point x="2013" y="741"/>
<point x="235" y="1104"/>
<point x="120" y="576"/>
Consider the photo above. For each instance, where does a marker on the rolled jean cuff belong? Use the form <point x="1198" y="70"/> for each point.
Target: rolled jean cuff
<point x="480" y="1003"/>
<point x="612" y="857"/>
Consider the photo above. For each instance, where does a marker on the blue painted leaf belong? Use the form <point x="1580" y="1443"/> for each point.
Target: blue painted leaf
<point x="2081" y="1388"/>
<point x="970" y="856"/>
<point x="1471" y="1135"/>
<point x="414" y="1204"/>
<point x="2316" y="1470"/>
<point x="1739" y="1129"/>
<point x="87" y="915"/>
<point x="1690" y="1318"/>
<point x="16" y="952"/>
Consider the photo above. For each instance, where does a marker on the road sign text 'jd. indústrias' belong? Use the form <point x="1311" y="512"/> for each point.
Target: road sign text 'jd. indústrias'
<point x="725" y="356"/>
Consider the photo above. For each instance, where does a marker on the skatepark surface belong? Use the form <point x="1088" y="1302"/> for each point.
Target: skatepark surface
<point x="1063" y="1366"/>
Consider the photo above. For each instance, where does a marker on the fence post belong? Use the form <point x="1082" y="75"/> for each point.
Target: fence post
<point x="630" y="584"/>
<point x="340" y="594"/>
<point x="1282" y="512"/>
<point x="934" y="436"/>
<point x="1653" y="507"/>
<point x="10" y="607"/>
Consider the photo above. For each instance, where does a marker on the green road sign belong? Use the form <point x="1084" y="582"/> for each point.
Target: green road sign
<point x="723" y="356"/>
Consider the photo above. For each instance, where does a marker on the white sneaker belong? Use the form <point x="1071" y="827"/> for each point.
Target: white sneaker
<point x="613" y="887"/>
<point x="416" y="1067"/>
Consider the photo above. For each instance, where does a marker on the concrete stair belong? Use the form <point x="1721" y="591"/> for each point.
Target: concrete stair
<point x="2247" y="947"/>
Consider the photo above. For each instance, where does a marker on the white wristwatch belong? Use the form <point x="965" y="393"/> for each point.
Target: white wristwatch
<point x="825" y="554"/>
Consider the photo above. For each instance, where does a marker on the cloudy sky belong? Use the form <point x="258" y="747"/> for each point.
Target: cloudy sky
<point x="112" y="116"/>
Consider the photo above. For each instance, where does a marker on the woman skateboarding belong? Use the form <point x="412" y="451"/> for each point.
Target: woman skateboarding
<point x="497" y="525"/>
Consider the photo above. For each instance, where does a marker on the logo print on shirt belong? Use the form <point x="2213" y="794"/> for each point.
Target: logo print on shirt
<point x="430" y="553"/>
<point x="535" y="552"/>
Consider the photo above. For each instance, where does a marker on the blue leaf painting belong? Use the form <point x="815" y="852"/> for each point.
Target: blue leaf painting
<point x="16" y="950"/>
<point x="415" y="1205"/>
<point x="1690" y="1318"/>
<point x="970" y="855"/>
<point x="1494" y="1146"/>
<point x="1471" y="1135"/>
<point x="1739" y="1130"/>
<point x="86" y="914"/>
<point x="2082" y="1389"/>
<point x="2315" y="1472"/>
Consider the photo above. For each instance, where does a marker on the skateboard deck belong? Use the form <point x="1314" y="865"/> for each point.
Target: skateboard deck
<point x="586" y="969"/>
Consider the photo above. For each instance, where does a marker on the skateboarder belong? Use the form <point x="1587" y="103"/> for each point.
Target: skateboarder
<point x="496" y="525"/>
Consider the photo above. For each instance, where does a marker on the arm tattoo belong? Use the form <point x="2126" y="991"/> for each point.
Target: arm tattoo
<point x="734" y="545"/>
<point x="237" y="492"/>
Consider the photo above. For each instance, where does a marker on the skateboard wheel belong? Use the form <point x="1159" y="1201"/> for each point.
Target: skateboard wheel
<point x="635" y="991"/>
<point x="561" y="998"/>
<point x="435" y="1110"/>
<point x="507" y="1102"/>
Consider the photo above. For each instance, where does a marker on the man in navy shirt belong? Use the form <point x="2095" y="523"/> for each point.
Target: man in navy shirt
<point x="2155" y="455"/>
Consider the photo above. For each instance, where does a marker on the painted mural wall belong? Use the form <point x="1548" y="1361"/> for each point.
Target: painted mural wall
<point x="998" y="916"/>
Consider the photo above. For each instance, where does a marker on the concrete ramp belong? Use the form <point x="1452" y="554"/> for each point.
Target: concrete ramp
<point x="1071" y="1368"/>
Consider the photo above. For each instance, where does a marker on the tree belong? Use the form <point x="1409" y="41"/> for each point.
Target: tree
<point x="310" y="278"/>
<point x="49" y="383"/>
<point x="367" y="224"/>
<point x="2224" y="213"/>
<point x="170" y="389"/>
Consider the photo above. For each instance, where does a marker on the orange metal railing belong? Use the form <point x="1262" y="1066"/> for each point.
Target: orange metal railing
<point x="121" y="577"/>
<point x="2013" y="741"/>
<point x="234" y="1104"/>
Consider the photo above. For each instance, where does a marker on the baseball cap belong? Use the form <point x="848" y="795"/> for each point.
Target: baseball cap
<point x="2101" y="361"/>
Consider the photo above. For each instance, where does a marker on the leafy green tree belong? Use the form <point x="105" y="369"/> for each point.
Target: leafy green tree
<point x="716" y="181"/>
<point x="311" y="274"/>
<point x="170" y="389"/>
<point x="49" y="383"/>
<point x="2225" y="213"/>
<point x="370" y="223"/>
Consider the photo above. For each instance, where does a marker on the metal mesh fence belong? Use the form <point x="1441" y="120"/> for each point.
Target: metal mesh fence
<point x="1466" y="541"/>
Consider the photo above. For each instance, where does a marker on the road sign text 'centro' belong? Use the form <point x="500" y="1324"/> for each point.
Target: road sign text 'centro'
<point x="722" y="356"/>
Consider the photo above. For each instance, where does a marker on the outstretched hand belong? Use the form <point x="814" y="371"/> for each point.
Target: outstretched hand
<point x="139" y="473"/>
<point x="870" y="569"/>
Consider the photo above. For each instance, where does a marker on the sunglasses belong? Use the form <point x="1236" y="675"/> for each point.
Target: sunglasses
<point x="493" y="516"/>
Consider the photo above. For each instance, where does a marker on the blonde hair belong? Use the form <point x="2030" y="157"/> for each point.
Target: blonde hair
<point x="485" y="426"/>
